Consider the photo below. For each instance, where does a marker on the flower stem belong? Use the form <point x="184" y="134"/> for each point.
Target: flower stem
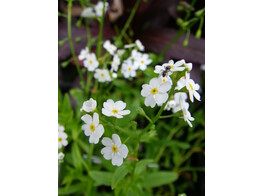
<point x="100" y="35"/>
<point x="72" y="45"/>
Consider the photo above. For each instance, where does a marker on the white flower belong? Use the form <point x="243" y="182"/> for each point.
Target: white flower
<point x="102" y="75"/>
<point x="114" y="75"/>
<point x="88" y="12"/>
<point x="116" y="109"/>
<point x="83" y="54"/>
<point x="91" y="62"/>
<point x="62" y="139"/>
<point x="129" y="45"/>
<point x="135" y="54"/>
<point x="92" y="127"/>
<point x="180" y="100"/>
<point x="181" y="83"/>
<point x="178" y="66"/>
<point x="120" y="52"/>
<point x="165" y="79"/>
<point x="128" y="69"/>
<point x="99" y="8"/>
<point x="115" y="64"/>
<point x="61" y="128"/>
<point x="170" y="105"/>
<point x="140" y="45"/>
<point x="155" y="92"/>
<point x="111" y="48"/>
<point x="61" y="156"/>
<point x="89" y="105"/>
<point x="142" y="61"/>
<point x="114" y="150"/>
<point x="188" y="66"/>
<point x="187" y="117"/>
<point x="192" y="88"/>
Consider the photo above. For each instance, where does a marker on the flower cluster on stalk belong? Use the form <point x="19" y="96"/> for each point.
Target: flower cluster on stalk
<point x="62" y="141"/>
<point x="114" y="150"/>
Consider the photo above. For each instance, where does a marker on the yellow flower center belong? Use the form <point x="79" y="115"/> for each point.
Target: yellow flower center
<point x="164" y="80"/>
<point x="172" y="66"/>
<point x="92" y="127"/>
<point x="115" y="111"/>
<point x="90" y="61"/>
<point x="154" y="91"/>
<point x="102" y="74"/>
<point x="59" y="139"/>
<point x="114" y="149"/>
<point x="190" y="85"/>
<point x="129" y="68"/>
<point x="142" y="61"/>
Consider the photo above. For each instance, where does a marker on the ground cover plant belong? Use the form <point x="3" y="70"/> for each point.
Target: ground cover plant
<point x="133" y="122"/>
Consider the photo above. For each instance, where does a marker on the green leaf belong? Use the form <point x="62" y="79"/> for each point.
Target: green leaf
<point x="76" y="155"/>
<point x="101" y="178"/>
<point x="78" y="96"/>
<point x="118" y="175"/>
<point x="66" y="104"/>
<point x="159" y="178"/>
<point x="141" y="166"/>
<point x="71" y="189"/>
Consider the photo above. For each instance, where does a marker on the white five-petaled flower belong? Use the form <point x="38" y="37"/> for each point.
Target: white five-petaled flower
<point x="180" y="100"/>
<point x="102" y="75"/>
<point x="83" y="54"/>
<point x="92" y="128"/>
<point x="99" y="8"/>
<point x="88" y="12"/>
<point x="192" y="88"/>
<point x="89" y="105"/>
<point x="91" y="62"/>
<point x="140" y="45"/>
<point x="62" y="139"/>
<point x="187" y="117"/>
<point x="155" y="92"/>
<point x="142" y="61"/>
<point x="114" y="150"/>
<point x="170" y="105"/>
<point x="115" y="64"/>
<point x="111" y="48"/>
<point x="178" y="66"/>
<point x="128" y="69"/>
<point x="61" y="128"/>
<point x="116" y="109"/>
<point x="60" y="156"/>
<point x="165" y="79"/>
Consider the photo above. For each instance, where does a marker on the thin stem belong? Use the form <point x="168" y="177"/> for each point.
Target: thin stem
<point x="169" y="116"/>
<point x="129" y="20"/>
<point x="72" y="45"/>
<point x="89" y="162"/>
<point x="100" y="35"/>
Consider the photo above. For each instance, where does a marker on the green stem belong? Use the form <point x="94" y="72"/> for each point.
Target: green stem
<point x="129" y="20"/>
<point x="169" y="116"/>
<point x="89" y="162"/>
<point x="100" y="35"/>
<point x="72" y="45"/>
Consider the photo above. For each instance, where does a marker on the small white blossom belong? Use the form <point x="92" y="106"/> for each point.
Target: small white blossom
<point x="91" y="62"/>
<point x="135" y="54"/>
<point x="89" y="105"/>
<point x="114" y="150"/>
<point x="111" y="48"/>
<point x="115" y="64"/>
<point x="99" y="8"/>
<point x="88" y="12"/>
<point x="83" y="54"/>
<point x="181" y="83"/>
<point x="102" y="75"/>
<point x="114" y="75"/>
<point x="92" y="128"/>
<point x="140" y="45"/>
<point x="192" y="88"/>
<point x="170" y="105"/>
<point x="61" y="128"/>
<point x="62" y="139"/>
<point x="165" y="79"/>
<point x="155" y="92"/>
<point x="142" y="61"/>
<point x="188" y="117"/>
<point x="120" y="52"/>
<point x="128" y="69"/>
<point x="116" y="109"/>
<point x="61" y="156"/>
<point x="180" y="100"/>
<point x="129" y="45"/>
<point x="178" y="66"/>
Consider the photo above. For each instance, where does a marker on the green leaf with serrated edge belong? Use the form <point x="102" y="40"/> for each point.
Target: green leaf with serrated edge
<point x="118" y="175"/>
<point x="141" y="166"/>
<point x="159" y="178"/>
<point x="101" y="177"/>
<point x="71" y="189"/>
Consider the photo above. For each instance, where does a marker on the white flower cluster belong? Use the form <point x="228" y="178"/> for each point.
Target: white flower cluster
<point x="61" y="141"/>
<point x="156" y="92"/>
<point x="97" y="10"/>
<point x="113" y="149"/>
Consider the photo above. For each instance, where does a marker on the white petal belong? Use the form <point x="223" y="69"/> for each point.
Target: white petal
<point x="99" y="130"/>
<point x="106" y="141"/>
<point x="196" y="95"/>
<point x="116" y="140"/>
<point x="107" y="153"/>
<point x="191" y="96"/>
<point x="123" y="150"/>
<point x="117" y="160"/>
<point x="124" y="112"/>
<point x="165" y="87"/>
<point x="109" y="104"/>
<point x="107" y="112"/>
<point x="120" y="105"/>
<point x="87" y="119"/>
<point x="150" y="101"/>
<point x="64" y="142"/>
<point x="88" y="132"/>
<point x="95" y="119"/>
<point x="154" y="82"/>
<point x="93" y="139"/>
<point x="145" y="90"/>
<point x="161" y="98"/>
<point x="158" y="68"/>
